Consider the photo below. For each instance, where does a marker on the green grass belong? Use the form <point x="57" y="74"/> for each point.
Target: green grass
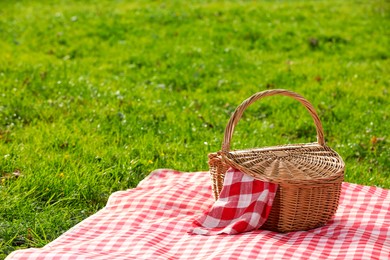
<point x="95" y="95"/>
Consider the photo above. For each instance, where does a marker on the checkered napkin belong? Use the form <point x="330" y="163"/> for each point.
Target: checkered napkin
<point x="244" y="205"/>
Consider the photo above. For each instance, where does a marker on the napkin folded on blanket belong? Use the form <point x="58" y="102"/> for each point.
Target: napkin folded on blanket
<point x="243" y="205"/>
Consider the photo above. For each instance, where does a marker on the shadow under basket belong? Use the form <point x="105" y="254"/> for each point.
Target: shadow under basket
<point x="309" y="176"/>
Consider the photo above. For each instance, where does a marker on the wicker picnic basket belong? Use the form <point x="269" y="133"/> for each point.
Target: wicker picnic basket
<point x="309" y="176"/>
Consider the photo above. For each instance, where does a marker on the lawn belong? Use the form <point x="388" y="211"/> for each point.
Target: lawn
<point x="96" y="94"/>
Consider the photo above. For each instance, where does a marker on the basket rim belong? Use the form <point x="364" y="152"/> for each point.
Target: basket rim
<point x="336" y="176"/>
<point x="279" y="147"/>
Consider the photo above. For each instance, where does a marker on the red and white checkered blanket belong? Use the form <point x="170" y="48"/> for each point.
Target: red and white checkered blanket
<point x="243" y="205"/>
<point x="152" y="222"/>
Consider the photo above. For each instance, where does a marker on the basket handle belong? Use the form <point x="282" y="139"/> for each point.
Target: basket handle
<point x="236" y="116"/>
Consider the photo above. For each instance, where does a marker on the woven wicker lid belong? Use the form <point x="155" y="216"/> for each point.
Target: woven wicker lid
<point x="311" y="163"/>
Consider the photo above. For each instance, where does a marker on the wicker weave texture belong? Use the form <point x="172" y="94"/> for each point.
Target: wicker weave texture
<point x="309" y="175"/>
